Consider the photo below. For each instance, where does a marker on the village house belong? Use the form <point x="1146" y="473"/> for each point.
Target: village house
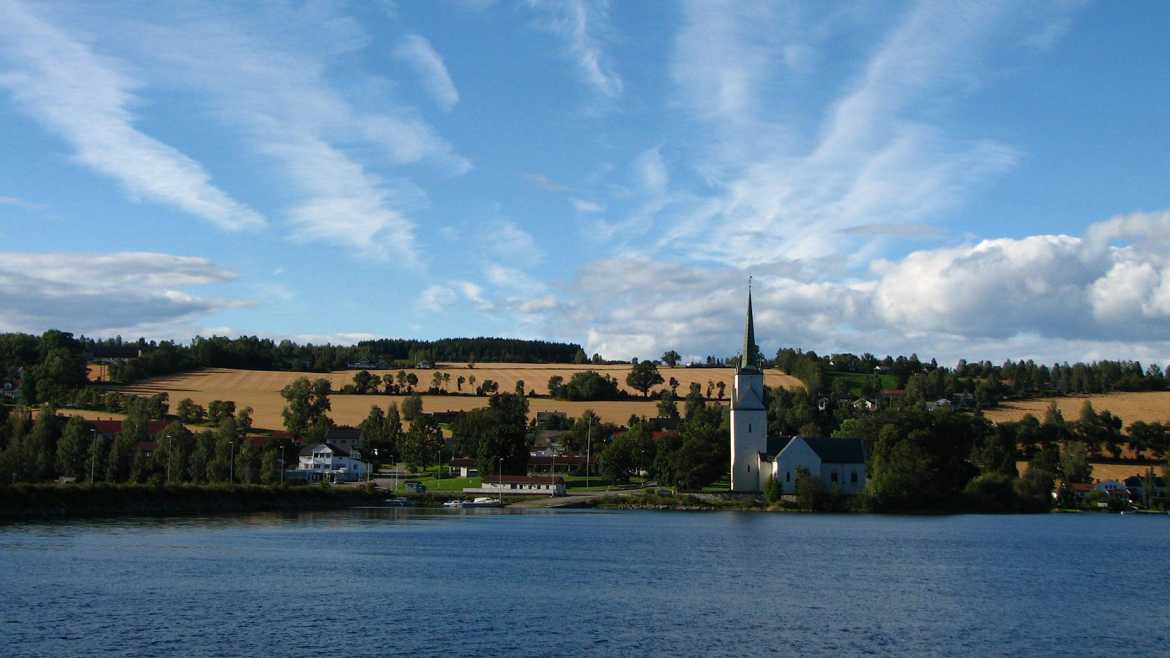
<point x="325" y="462"/>
<point x="348" y="439"/>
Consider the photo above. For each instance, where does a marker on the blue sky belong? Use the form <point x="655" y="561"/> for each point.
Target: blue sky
<point x="985" y="180"/>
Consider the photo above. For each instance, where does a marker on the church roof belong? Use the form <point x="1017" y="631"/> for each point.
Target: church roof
<point x="777" y="443"/>
<point x="837" y="450"/>
<point x="750" y="357"/>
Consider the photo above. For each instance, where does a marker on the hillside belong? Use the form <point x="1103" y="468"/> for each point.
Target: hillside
<point x="261" y="389"/>
<point x="1152" y="406"/>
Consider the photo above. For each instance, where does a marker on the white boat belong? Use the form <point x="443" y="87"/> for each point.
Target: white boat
<point x="482" y="501"/>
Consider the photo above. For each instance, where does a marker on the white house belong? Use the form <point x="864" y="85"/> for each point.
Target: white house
<point x="325" y="461"/>
<point x="838" y="463"/>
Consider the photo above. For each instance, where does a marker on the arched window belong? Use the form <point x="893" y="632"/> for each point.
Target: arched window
<point x="788" y="476"/>
<point x="749" y="428"/>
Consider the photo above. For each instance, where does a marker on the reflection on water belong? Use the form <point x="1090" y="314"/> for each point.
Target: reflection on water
<point x="488" y="582"/>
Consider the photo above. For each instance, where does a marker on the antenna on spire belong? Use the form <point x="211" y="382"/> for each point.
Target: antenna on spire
<point x="749" y="284"/>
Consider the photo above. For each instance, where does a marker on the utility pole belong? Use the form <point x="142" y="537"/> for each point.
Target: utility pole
<point x="232" y="463"/>
<point x="588" y="448"/>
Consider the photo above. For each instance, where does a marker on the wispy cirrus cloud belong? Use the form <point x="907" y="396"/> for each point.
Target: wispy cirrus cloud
<point x="877" y="159"/>
<point x="417" y="51"/>
<point x="88" y="100"/>
<point x="584" y="29"/>
<point x="23" y="204"/>
<point x="329" y="151"/>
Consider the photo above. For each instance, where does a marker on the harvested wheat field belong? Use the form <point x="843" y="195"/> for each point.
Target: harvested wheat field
<point x="261" y="389"/>
<point x="1119" y="472"/>
<point x="1146" y="406"/>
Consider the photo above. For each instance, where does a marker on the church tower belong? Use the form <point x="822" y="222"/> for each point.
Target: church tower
<point x="749" y="419"/>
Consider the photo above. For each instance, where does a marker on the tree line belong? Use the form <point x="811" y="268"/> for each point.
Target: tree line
<point x="50" y="446"/>
<point x="988" y="382"/>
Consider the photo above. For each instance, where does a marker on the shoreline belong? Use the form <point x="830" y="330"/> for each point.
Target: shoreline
<point x="46" y="502"/>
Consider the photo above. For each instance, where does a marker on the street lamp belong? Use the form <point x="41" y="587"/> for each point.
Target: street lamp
<point x="170" y="439"/>
<point x="92" y="452"/>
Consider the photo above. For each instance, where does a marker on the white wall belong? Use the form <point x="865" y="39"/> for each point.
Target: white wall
<point x="796" y="455"/>
<point x="749" y="431"/>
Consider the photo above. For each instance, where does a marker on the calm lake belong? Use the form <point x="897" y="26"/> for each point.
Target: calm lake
<point x="486" y="582"/>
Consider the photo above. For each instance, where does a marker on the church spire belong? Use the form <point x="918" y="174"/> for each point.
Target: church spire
<point x="751" y="353"/>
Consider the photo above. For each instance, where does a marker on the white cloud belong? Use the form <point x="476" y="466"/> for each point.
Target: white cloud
<point x="1044" y="296"/>
<point x="586" y="206"/>
<point x="104" y="293"/>
<point x="509" y="242"/>
<point x="435" y="298"/>
<point x="420" y="54"/>
<point x="329" y="151"/>
<point x="653" y="198"/>
<point x="474" y="294"/>
<point x="88" y="100"/>
<point x="23" y="204"/>
<point x="877" y="160"/>
<point x="545" y="183"/>
<point x="584" y="28"/>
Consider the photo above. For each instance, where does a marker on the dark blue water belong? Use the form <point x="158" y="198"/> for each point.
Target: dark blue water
<point x="565" y="583"/>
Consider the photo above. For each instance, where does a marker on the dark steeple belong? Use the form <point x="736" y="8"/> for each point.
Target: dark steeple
<point x="750" y="357"/>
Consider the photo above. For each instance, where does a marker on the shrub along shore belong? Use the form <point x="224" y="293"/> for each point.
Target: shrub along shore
<point x="41" y="501"/>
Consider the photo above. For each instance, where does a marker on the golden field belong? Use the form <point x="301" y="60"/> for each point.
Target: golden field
<point x="261" y="389"/>
<point x="1119" y="472"/>
<point x="1130" y="407"/>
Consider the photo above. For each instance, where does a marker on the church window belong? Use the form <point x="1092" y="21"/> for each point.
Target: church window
<point x="833" y="477"/>
<point x="749" y="428"/>
<point x="853" y="477"/>
<point x="788" y="476"/>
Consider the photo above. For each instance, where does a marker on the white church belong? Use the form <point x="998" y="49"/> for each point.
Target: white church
<point x="839" y="463"/>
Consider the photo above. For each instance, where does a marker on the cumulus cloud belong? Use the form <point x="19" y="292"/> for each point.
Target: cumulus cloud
<point x="1042" y="296"/>
<point x="417" y="51"/>
<point x="105" y="293"/>
<point x="88" y="99"/>
<point x="583" y="28"/>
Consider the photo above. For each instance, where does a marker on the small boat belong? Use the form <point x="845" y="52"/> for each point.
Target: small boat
<point x="484" y="501"/>
<point x="453" y="504"/>
<point x="399" y="502"/>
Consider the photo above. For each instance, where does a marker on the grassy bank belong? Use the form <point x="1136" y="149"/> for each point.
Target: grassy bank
<point x="38" y="501"/>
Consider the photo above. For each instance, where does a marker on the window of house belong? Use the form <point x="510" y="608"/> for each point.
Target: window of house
<point x="749" y="428"/>
<point x="853" y="477"/>
<point x="788" y="476"/>
<point x="833" y="476"/>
